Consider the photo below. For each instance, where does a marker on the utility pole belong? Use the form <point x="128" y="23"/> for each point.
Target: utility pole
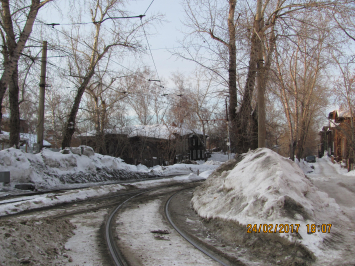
<point x="228" y="140"/>
<point x="42" y="85"/>
<point x="180" y="118"/>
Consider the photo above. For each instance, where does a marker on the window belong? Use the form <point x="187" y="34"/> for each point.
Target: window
<point x="193" y="154"/>
<point x="198" y="154"/>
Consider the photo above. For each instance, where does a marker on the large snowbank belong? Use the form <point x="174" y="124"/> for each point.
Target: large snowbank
<point x="262" y="187"/>
<point x="50" y="170"/>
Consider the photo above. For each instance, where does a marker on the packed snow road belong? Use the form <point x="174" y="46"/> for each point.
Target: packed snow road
<point x="334" y="181"/>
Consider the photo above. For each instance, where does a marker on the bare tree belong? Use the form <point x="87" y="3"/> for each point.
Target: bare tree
<point x="87" y="56"/>
<point x="104" y="96"/>
<point x="144" y="96"/>
<point x="212" y="18"/>
<point x="299" y="84"/>
<point x="16" y="25"/>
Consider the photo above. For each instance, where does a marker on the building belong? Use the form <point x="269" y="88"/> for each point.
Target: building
<point x="148" y="144"/>
<point x="339" y="137"/>
<point x="26" y="139"/>
<point x="5" y="124"/>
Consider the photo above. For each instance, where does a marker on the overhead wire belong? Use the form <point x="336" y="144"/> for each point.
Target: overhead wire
<point x="92" y="22"/>
<point x="85" y="44"/>
<point x="151" y="54"/>
<point x="148" y="7"/>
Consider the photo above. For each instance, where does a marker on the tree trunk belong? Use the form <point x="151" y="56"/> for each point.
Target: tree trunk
<point x="258" y="26"/>
<point x="244" y="115"/>
<point x="69" y="128"/>
<point x="262" y="80"/>
<point x="14" y="110"/>
<point x="2" y="94"/>
<point x="11" y="51"/>
<point x="232" y="70"/>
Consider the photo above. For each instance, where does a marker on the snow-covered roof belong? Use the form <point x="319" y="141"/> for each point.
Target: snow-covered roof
<point x="342" y="113"/>
<point x="7" y="116"/>
<point x="31" y="138"/>
<point x="158" y="131"/>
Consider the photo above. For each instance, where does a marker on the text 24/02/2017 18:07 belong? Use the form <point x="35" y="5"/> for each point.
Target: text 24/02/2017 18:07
<point x="287" y="228"/>
<point x="269" y="228"/>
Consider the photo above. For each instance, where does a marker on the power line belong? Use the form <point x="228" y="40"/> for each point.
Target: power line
<point x="148" y="7"/>
<point x="92" y="22"/>
<point x="151" y="54"/>
<point x="85" y="44"/>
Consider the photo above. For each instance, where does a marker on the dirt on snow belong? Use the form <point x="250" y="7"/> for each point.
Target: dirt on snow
<point x="35" y="242"/>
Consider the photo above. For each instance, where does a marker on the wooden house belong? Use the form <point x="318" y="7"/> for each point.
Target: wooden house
<point x="148" y="144"/>
<point x="338" y="137"/>
<point x="326" y="141"/>
<point x="5" y="124"/>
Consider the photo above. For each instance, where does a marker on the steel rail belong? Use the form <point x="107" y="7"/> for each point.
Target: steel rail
<point x="116" y="256"/>
<point x="189" y="239"/>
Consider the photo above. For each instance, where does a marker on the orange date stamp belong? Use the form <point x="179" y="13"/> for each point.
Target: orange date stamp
<point x="287" y="228"/>
<point x="271" y="228"/>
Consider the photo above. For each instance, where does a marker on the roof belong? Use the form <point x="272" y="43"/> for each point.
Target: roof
<point x="157" y="131"/>
<point x="340" y="114"/>
<point x="30" y="138"/>
<point x="7" y="116"/>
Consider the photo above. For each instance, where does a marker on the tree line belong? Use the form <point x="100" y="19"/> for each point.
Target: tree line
<point x="278" y="63"/>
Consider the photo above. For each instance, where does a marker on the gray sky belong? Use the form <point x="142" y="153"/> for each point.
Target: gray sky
<point x="162" y="37"/>
<point x="166" y="36"/>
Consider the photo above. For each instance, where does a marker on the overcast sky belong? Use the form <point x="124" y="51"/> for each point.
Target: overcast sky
<point x="166" y="36"/>
<point x="162" y="37"/>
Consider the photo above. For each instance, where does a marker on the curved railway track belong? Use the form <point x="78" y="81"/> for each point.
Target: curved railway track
<point x="118" y="257"/>
<point x="186" y="236"/>
<point x="117" y="201"/>
<point x="111" y="244"/>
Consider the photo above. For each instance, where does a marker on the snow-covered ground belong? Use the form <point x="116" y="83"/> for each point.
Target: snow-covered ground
<point x="53" y="170"/>
<point x="135" y="234"/>
<point x="263" y="188"/>
<point x="80" y="241"/>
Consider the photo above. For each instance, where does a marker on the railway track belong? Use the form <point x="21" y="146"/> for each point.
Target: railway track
<point x="187" y="237"/>
<point x="117" y="256"/>
<point x="117" y="202"/>
<point x="111" y="243"/>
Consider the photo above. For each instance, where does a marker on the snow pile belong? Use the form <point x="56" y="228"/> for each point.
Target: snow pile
<point x="262" y="187"/>
<point x="50" y="169"/>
